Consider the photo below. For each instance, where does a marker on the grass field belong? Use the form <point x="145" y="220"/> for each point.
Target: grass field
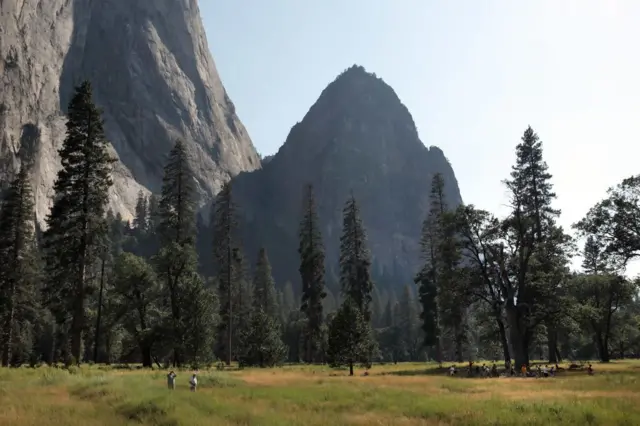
<point x="403" y="394"/>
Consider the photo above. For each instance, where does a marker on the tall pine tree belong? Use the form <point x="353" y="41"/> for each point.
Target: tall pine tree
<point x="536" y="265"/>
<point x="225" y="227"/>
<point x="311" y="269"/>
<point x="17" y="262"/>
<point x="261" y="342"/>
<point x="350" y="338"/>
<point x="177" y="260"/>
<point x="355" y="260"/>
<point x="264" y="288"/>
<point x="76" y="222"/>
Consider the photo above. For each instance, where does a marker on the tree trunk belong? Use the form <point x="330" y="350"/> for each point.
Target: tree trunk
<point x="503" y="340"/>
<point x="8" y="325"/>
<point x="77" y="323"/>
<point x="147" y="361"/>
<point x="96" y="343"/>
<point x="459" y="331"/>
<point x="107" y="348"/>
<point x="351" y="367"/>
<point x="552" y="343"/>
<point x="518" y="337"/>
<point x="603" y="351"/>
<point x="51" y="356"/>
<point x="558" y="355"/>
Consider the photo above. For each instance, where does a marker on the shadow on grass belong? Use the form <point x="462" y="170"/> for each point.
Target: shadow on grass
<point x="430" y="371"/>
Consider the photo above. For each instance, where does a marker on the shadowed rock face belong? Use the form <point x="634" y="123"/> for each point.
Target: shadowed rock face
<point x="152" y="75"/>
<point x="357" y="137"/>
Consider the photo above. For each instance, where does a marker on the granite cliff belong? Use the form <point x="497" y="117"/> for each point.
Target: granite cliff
<point x="152" y="74"/>
<point x="357" y="137"/>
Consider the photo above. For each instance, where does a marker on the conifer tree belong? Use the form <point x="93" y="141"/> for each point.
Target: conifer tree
<point x="141" y="219"/>
<point x="355" y="261"/>
<point x="17" y="257"/>
<point x="349" y="339"/>
<point x="538" y="262"/>
<point x="311" y="251"/>
<point x="225" y="241"/>
<point x="353" y="319"/>
<point x="264" y="288"/>
<point x="177" y="259"/>
<point x="177" y="205"/>
<point x="201" y="304"/>
<point x="76" y="222"/>
<point x="442" y="288"/>
<point x="261" y="342"/>
<point x="408" y="327"/>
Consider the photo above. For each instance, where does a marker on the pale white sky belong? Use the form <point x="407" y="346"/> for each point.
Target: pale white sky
<point x="474" y="75"/>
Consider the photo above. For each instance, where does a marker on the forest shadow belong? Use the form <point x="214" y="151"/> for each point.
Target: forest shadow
<point x="431" y="371"/>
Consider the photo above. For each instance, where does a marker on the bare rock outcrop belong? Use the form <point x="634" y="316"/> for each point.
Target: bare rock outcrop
<point x="152" y="74"/>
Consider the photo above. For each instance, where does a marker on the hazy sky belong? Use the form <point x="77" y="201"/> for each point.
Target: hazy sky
<point x="474" y="75"/>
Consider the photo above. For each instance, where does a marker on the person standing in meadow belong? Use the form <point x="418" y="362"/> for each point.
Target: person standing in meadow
<point x="193" y="383"/>
<point x="171" y="380"/>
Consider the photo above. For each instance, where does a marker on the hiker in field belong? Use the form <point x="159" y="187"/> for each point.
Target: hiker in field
<point x="193" y="383"/>
<point x="171" y="380"/>
<point x="590" y="370"/>
<point x="494" y="370"/>
<point x="452" y="370"/>
<point x="523" y="370"/>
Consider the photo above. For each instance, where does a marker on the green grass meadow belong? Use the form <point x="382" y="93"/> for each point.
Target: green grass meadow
<point x="403" y="394"/>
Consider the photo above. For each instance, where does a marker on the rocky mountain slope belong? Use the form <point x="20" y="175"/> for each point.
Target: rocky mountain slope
<point x="152" y="74"/>
<point x="357" y="137"/>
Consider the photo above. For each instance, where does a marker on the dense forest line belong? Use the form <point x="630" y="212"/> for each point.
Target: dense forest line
<point x="94" y="288"/>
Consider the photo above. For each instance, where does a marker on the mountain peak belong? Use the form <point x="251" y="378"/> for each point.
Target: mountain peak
<point x="358" y="138"/>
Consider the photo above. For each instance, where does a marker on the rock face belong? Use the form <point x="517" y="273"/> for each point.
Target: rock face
<point x="152" y="75"/>
<point x="357" y="137"/>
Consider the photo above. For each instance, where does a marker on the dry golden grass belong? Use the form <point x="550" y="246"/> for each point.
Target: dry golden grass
<point x="404" y="394"/>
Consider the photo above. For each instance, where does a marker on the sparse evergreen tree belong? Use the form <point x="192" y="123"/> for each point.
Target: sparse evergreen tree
<point x="76" y="223"/>
<point x="311" y="251"/>
<point x="264" y="293"/>
<point x="141" y="219"/>
<point x="428" y="288"/>
<point x="18" y="266"/>
<point x="225" y="226"/>
<point x="177" y="205"/>
<point x="357" y="286"/>
<point x="177" y="260"/>
<point x="242" y="302"/>
<point x="408" y="327"/>
<point x="261" y="342"/>
<point x="355" y="261"/>
<point x="441" y="286"/>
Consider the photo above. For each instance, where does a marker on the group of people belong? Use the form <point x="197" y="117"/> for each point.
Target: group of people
<point x="171" y="381"/>
<point x="510" y="371"/>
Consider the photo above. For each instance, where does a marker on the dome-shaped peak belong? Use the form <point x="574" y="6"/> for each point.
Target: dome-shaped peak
<point x="356" y="74"/>
<point x="355" y="87"/>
